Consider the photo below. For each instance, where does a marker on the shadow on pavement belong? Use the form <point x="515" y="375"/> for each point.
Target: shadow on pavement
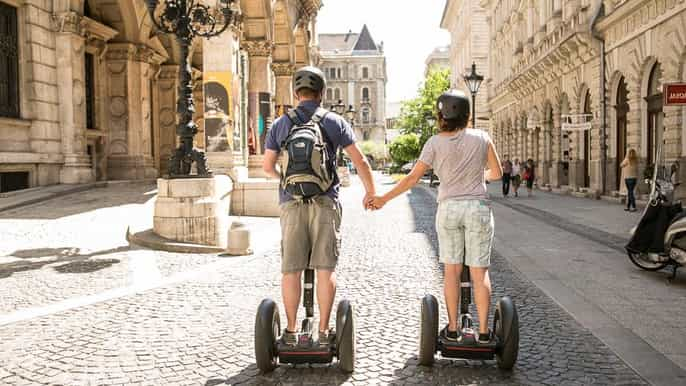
<point x="286" y="374"/>
<point x="76" y="262"/>
<point x="82" y="202"/>
<point x="470" y="372"/>
<point x="423" y="205"/>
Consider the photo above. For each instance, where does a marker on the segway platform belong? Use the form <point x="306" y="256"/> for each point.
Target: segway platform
<point x="466" y="347"/>
<point x="306" y="351"/>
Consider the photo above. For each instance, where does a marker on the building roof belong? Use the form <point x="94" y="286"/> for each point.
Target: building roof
<point x="349" y="43"/>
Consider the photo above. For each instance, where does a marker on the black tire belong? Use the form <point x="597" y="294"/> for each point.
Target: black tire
<point x="640" y="262"/>
<point x="345" y="336"/>
<point x="428" y="333"/>
<point x="506" y="327"/>
<point x="267" y="329"/>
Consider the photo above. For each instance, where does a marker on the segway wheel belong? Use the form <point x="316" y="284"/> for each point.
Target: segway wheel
<point x="428" y="334"/>
<point x="345" y="336"/>
<point x="506" y="326"/>
<point x="267" y="329"/>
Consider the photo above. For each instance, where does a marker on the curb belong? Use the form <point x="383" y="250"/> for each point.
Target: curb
<point x="149" y="239"/>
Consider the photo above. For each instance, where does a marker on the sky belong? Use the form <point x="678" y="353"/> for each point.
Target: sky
<point x="410" y="30"/>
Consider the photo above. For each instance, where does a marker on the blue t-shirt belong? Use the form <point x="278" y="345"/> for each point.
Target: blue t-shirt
<point x="337" y="129"/>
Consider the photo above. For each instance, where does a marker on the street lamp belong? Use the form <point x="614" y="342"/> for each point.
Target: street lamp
<point x="187" y="19"/>
<point x="473" y="81"/>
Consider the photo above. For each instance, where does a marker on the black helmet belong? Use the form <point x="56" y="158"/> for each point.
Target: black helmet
<point x="309" y="77"/>
<point x="453" y="104"/>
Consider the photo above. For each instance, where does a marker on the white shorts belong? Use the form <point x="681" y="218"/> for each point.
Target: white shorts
<point x="465" y="232"/>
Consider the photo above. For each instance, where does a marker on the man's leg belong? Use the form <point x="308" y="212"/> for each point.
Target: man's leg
<point x="326" y="292"/>
<point x="482" y="295"/>
<point x="451" y="290"/>
<point x="290" y="289"/>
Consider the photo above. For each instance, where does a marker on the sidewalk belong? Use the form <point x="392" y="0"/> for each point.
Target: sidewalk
<point x="599" y="214"/>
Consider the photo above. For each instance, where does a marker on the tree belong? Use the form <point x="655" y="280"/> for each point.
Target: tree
<point x="414" y="113"/>
<point x="405" y="148"/>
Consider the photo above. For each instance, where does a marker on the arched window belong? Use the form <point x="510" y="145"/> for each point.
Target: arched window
<point x="365" y="72"/>
<point x="365" y="94"/>
<point x="337" y="94"/>
<point x="329" y="93"/>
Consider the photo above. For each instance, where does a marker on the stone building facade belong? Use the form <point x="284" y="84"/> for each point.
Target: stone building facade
<point x="355" y="68"/>
<point x="88" y="89"/>
<point x="547" y="63"/>
<point x="439" y="58"/>
<point x="466" y="21"/>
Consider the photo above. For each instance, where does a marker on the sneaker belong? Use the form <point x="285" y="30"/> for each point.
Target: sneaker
<point x="485" y="338"/>
<point x="450" y="335"/>
<point x="632" y="210"/>
<point x="325" y="337"/>
<point x="627" y="209"/>
<point x="289" y="338"/>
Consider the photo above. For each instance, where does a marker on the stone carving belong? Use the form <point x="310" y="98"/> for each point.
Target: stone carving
<point x="118" y="146"/>
<point x="117" y="107"/>
<point x="167" y="117"/>
<point x="258" y="47"/>
<point x="283" y="68"/>
<point x="78" y="88"/>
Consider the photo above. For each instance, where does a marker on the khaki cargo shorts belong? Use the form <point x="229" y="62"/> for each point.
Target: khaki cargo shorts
<point x="310" y="234"/>
<point x="465" y="232"/>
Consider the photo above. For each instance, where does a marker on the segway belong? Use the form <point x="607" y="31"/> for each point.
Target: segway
<point x="504" y="346"/>
<point x="270" y="349"/>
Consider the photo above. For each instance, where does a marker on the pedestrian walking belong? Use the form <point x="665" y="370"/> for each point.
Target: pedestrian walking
<point x="507" y="173"/>
<point x="529" y="176"/>
<point x="630" y="170"/>
<point x="310" y="209"/>
<point x="464" y="220"/>
<point x="516" y="176"/>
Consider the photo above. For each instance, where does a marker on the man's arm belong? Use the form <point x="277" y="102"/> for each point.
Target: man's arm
<point x="269" y="163"/>
<point x="363" y="169"/>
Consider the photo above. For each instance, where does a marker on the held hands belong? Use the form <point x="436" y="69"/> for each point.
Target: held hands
<point x="373" y="202"/>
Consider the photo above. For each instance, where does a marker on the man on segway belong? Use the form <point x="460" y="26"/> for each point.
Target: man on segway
<point x="309" y="138"/>
<point x="463" y="159"/>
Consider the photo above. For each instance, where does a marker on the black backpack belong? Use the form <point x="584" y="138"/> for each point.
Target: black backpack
<point x="306" y="170"/>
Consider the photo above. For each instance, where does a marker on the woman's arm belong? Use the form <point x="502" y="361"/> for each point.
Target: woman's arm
<point x="495" y="170"/>
<point x="624" y="163"/>
<point x="410" y="180"/>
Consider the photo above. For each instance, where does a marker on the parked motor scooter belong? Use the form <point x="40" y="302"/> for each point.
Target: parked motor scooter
<point x="659" y="239"/>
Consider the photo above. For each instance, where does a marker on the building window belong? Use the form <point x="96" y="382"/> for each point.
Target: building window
<point x="329" y="93"/>
<point x="9" y="62"/>
<point x="338" y="73"/>
<point x="337" y="94"/>
<point x="332" y="73"/>
<point x="365" y="135"/>
<point x="11" y="181"/>
<point x="365" y="115"/>
<point x="90" y="91"/>
<point x="365" y="94"/>
<point x="365" y="72"/>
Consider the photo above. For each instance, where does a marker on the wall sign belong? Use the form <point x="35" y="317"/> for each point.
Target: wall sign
<point x="675" y="94"/>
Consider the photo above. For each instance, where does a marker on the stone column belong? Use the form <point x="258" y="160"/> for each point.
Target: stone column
<point x="72" y="100"/>
<point x="129" y="86"/>
<point x="556" y="168"/>
<point x="546" y="134"/>
<point x="283" y="72"/>
<point x="166" y="87"/>
<point x="259" y="100"/>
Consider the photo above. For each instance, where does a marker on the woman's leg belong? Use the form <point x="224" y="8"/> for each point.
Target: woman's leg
<point x="451" y="280"/>
<point x="482" y="295"/>
<point x="631" y="185"/>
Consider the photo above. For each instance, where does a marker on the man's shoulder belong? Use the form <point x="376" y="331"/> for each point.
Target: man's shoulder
<point x="332" y="120"/>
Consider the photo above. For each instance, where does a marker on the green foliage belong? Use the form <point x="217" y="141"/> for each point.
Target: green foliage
<point x="414" y="113"/>
<point x="405" y="148"/>
<point x="370" y="148"/>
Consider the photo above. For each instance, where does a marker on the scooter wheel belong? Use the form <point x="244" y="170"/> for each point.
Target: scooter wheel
<point x="267" y="329"/>
<point x="506" y="326"/>
<point x="345" y="336"/>
<point x="428" y="334"/>
<point x="641" y="261"/>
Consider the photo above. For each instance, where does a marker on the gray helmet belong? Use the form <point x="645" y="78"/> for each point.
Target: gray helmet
<point x="309" y="77"/>
<point x="453" y="104"/>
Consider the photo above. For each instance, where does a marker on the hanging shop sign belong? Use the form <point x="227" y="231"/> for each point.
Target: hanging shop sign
<point x="675" y="94"/>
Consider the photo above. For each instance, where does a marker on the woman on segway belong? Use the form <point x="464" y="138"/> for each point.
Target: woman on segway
<point x="463" y="159"/>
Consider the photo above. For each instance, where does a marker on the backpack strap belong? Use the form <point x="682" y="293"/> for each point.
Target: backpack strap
<point x="293" y="117"/>
<point x="317" y="117"/>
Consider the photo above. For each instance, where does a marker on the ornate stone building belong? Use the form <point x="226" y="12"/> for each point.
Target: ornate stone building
<point x="438" y="58"/>
<point x="547" y="62"/>
<point x="88" y="89"/>
<point x="355" y="67"/>
<point x="467" y="23"/>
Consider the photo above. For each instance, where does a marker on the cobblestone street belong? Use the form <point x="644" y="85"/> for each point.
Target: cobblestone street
<point x="194" y="323"/>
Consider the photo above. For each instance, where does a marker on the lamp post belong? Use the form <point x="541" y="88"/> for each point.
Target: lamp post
<point x="473" y="81"/>
<point x="187" y="19"/>
<point x="349" y="116"/>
